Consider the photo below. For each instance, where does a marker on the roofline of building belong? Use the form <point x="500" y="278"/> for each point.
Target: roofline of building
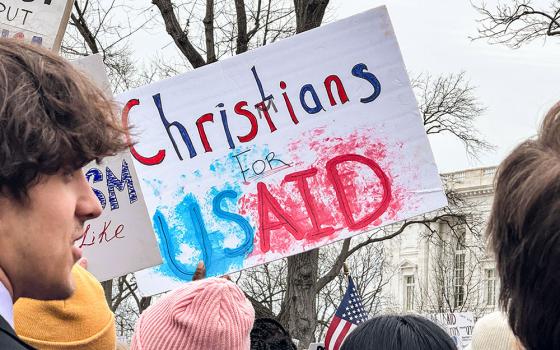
<point x="469" y="169"/>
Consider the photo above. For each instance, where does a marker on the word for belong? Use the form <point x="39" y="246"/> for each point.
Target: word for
<point x="106" y="235"/>
<point x="259" y="166"/>
<point x="308" y="99"/>
<point x="268" y="206"/>
<point x="95" y="175"/>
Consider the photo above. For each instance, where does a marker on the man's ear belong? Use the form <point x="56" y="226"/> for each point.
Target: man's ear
<point x="83" y="262"/>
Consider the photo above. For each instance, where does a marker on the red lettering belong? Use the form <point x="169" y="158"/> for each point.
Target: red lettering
<point x="158" y="158"/>
<point x="118" y="231"/>
<point x="86" y="231"/>
<point x="254" y="125"/>
<point x="300" y="178"/>
<point x="208" y="117"/>
<point x="339" y="87"/>
<point x="334" y="176"/>
<point x="288" y="103"/>
<point x="268" y="204"/>
<point x="103" y="236"/>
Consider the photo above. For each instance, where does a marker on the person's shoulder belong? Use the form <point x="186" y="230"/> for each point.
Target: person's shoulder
<point x="8" y="338"/>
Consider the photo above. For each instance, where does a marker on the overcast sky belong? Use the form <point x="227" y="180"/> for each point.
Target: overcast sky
<point x="516" y="86"/>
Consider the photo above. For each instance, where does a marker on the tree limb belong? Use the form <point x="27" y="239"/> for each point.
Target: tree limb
<point x="179" y="36"/>
<point x="242" y="37"/>
<point x="80" y="23"/>
<point x="517" y="23"/>
<point x="309" y="13"/>
<point x="209" y="32"/>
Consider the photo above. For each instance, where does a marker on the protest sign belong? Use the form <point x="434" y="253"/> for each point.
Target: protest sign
<point x="459" y="325"/>
<point x="280" y="150"/>
<point x="122" y="239"/>
<point x="41" y="22"/>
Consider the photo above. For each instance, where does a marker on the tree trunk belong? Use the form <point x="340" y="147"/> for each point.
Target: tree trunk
<point x="309" y="13"/>
<point x="299" y="311"/>
<point x="179" y="36"/>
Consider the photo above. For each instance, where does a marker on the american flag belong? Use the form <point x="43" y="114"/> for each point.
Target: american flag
<point x="348" y="316"/>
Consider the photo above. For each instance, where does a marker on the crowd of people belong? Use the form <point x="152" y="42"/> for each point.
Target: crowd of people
<point x="53" y="121"/>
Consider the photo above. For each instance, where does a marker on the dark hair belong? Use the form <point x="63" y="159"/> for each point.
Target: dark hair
<point x="52" y="118"/>
<point x="392" y="332"/>
<point x="268" y="334"/>
<point x="524" y="231"/>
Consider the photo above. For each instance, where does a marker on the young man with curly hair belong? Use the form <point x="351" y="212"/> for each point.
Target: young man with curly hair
<point x="53" y="121"/>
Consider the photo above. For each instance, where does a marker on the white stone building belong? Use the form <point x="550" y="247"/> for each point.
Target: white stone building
<point x="445" y="266"/>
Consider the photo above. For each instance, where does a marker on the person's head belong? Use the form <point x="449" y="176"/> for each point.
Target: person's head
<point x="206" y="314"/>
<point x="524" y="231"/>
<point x="53" y="121"/>
<point x="492" y="332"/>
<point x="393" y="332"/>
<point x="81" y="322"/>
<point x="268" y="334"/>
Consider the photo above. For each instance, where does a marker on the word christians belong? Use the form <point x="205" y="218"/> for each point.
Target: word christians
<point x="308" y="99"/>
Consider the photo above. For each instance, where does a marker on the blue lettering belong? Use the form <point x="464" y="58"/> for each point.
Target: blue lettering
<point x="247" y="245"/>
<point x="359" y="71"/>
<point x="126" y="180"/>
<point x="318" y="106"/>
<point x="97" y="176"/>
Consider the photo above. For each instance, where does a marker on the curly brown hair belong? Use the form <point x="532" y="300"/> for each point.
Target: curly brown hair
<point x="52" y="118"/>
<point x="524" y="229"/>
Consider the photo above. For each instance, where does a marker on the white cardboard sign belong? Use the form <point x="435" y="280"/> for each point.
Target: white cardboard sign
<point x="41" y="22"/>
<point x="281" y="150"/>
<point x="122" y="239"/>
<point x="459" y="325"/>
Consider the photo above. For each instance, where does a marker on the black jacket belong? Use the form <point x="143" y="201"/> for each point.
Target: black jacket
<point x="8" y="338"/>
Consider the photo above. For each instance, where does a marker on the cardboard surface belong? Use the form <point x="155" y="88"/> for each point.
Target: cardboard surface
<point x="280" y="150"/>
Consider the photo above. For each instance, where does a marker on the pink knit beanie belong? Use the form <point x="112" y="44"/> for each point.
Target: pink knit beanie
<point x="208" y="314"/>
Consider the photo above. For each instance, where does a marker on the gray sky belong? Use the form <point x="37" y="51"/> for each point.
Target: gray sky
<point x="516" y="86"/>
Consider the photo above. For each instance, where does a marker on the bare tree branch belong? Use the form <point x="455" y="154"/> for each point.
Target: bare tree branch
<point x="448" y="105"/>
<point x="517" y="23"/>
<point x="309" y="13"/>
<point x="209" y="32"/>
<point x="242" y="37"/>
<point x="179" y="36"/>
<point x="78" y="20"/>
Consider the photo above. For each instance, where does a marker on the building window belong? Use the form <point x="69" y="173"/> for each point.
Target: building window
<point x="409" y="293"/>
<point x="459" y="279"/>
<point x="490" y="287"/>
<point x="459" y="268"/>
